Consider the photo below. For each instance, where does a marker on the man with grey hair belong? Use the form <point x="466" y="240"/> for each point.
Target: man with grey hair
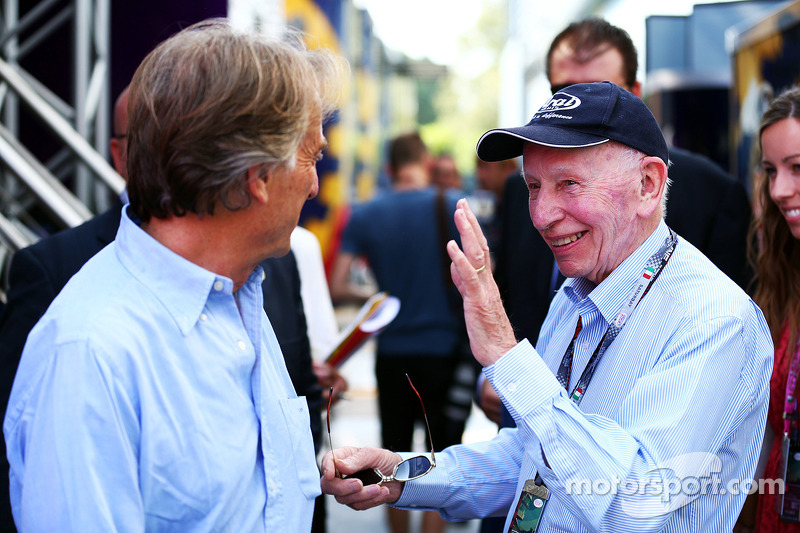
<point x="644" y="399"/>
<point x="152" y="395"/>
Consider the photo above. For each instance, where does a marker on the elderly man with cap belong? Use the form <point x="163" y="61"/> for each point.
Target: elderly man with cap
<point x="642" y="405"/>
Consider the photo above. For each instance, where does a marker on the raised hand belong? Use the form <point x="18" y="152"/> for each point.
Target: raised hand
<point x="489" y="330"/>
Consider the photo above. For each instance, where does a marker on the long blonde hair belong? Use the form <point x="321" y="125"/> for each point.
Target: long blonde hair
<point x="777" y="253"/>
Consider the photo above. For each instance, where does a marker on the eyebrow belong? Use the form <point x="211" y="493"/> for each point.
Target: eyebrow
<point x="784" y="160"/>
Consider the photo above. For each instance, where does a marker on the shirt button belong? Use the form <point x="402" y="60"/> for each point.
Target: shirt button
<point x="586" y="344"/>
<point x="241" y="345"/>
<point x="511" y="387"/>
<point x="203" y="317"/>
<point x="218" y="285"/>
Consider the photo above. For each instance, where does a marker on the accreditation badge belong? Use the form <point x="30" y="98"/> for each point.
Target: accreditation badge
<point x="530" y="507"/>
<point x="789" y="501"/>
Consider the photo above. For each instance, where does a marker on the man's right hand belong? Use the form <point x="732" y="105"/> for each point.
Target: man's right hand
<point x="351" y="491"/>
<point x="490" y="332"/>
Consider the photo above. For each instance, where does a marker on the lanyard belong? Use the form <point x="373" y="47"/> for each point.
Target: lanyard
<point x="651" y="271"/>
<point x="790" y="403"/>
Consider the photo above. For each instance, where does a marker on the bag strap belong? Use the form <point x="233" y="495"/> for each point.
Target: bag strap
<point x="441" y="219"/>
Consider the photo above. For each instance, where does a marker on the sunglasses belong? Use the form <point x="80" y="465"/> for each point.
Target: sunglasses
<point x="406" y="470"/>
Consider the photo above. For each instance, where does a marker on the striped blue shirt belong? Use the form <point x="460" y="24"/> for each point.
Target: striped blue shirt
<point x="669" y="431"/>
<point x="152" y="397"/>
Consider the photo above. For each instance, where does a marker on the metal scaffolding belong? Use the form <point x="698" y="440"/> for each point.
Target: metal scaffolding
<point x="37" y="197"/>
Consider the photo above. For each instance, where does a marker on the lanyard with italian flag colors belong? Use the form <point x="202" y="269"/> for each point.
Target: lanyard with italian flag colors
<point x="651" y="271"/>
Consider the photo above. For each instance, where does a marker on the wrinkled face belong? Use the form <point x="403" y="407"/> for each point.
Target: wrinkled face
<point x="583" y="202"/>
<point x="780" y="161"/>
<point x="289" y="189"/>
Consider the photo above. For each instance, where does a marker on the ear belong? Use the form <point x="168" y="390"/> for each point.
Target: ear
<point x="654" y="180"/>
<point x="637" y="88"/>
<point x="257" y="182"/>
<point x="118" y="157"/>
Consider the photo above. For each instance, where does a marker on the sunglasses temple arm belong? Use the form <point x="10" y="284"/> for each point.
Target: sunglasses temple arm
<point x="430" y="437"/>
<point x="330" y="439"/>
<point x="425" y="416"/>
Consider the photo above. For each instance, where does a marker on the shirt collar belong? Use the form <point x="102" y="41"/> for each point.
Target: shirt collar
<point x="181" y="286"/>
<point x="612" y="293"/>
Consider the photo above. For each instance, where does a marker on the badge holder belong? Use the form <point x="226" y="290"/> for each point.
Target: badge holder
<point x="530" y="507"/>
<point x="789" y="501"/>
<point x="789" y="498"/>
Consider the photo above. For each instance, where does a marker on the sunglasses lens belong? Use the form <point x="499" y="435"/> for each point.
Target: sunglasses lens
<point x="412" y="468"/>
<point x="367" y="477"/>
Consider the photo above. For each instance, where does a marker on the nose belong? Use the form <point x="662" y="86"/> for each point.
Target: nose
<point x="545" y="209"/>
<point x="314" y="187"/>
<point x="782" y="186"/>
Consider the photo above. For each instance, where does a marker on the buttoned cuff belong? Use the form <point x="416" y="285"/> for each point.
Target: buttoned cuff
<point x="427" y="492"/>
<point x="523" y="380"/>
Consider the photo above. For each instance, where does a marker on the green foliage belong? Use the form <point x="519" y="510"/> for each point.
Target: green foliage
<point x="466" y="102"/>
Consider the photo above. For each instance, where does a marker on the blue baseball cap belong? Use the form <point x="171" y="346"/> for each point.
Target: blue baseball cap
<point x="584" y="114"/>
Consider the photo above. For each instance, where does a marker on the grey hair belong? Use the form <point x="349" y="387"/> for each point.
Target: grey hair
<point x="211" y="102"/>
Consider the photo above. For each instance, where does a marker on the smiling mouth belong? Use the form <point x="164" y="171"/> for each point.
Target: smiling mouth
<point x="792" y="212"/>
<point x="567" y="240"/>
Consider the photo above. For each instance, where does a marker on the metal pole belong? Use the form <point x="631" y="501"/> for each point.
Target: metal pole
<point x="100" y="92"/>
<point x="63" y="129"/>
<point x="81" y="37"/>
<point x="10" y="100"/>
<point x="44" y="185"/>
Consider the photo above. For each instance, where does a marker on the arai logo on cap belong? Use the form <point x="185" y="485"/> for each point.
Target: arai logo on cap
<point x="561" y="102"/>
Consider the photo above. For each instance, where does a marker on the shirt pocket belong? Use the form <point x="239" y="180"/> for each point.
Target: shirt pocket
<point x="298" y="422"/>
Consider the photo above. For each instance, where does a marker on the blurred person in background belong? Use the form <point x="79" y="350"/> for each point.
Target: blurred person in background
<point x="487" y="199"/>
<point x="402" y="236"/>
<point x="445" y="173"/>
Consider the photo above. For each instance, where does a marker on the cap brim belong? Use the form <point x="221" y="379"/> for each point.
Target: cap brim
<point x="507" y="143"/>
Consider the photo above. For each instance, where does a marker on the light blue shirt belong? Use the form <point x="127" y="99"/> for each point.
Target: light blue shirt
<point x="152" y="397"/>
<point x="670" y="423"/>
